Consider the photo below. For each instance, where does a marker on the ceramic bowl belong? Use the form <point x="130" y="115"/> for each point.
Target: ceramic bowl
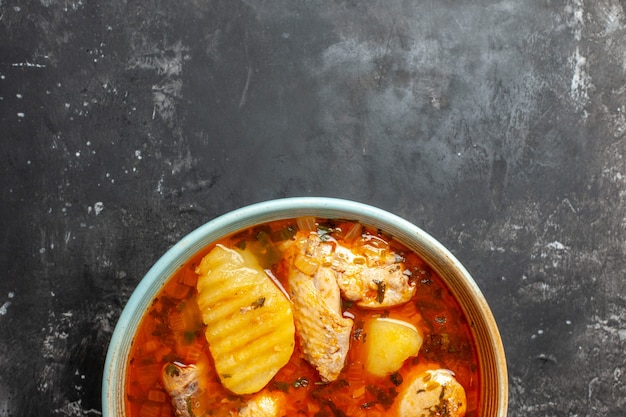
<point x="492" y="362"/>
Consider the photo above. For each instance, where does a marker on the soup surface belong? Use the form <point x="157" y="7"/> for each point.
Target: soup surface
<point x="388" y="328"/>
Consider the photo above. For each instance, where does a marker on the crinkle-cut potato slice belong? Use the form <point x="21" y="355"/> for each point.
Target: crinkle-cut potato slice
<point x="250" y="327"/>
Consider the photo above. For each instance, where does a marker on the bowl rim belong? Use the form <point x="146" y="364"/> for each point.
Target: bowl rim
<point x="261" y="212"/>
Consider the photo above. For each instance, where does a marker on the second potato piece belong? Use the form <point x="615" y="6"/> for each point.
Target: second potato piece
<point x="388" y="343"/>
<point x="250" y="327"/>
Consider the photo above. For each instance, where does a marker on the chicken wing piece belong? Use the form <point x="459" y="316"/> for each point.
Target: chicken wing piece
<point x="323" y="332"/>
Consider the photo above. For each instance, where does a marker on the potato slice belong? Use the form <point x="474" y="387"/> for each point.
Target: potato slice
<point x="388" y="343"/>
<point x="250" y="327"/>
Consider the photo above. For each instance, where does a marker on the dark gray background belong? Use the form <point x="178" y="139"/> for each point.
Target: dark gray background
<point x="497" y="126"/>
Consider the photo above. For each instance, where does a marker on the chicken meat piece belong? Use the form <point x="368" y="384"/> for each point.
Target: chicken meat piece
<point x="325" y="282"/>
<point x="368" y="273"/>
<point x="323" y="332"/>
<point x="432" y="393"/>
<point x="184" y="385"/>
<point x="372" y="278"/>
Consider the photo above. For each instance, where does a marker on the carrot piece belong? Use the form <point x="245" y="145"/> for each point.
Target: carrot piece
<point x="358" y="392"/>
<point x="313" y="408"/>
<point x="150" y="410"/>
<point x="148" y="375"/>
<point x="167" y="411"/>
<point x="150" y="346"/>
<point x="161" y="353"/>
<point x="157" y="396"/>
<point x="178" y="290"/>
<point x="354" y="371"/>
<point x="192" y="315"/>
<point x="177" y="321"/>
<point x="355" y="411"/>
<point x="193" y="353"/>
<point x="188" y="277"/>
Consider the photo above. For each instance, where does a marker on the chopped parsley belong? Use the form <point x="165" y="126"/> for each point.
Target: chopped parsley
<point x="300" y="382"/>
<point x="380" y="292"/>
<point x="256" y="304"/>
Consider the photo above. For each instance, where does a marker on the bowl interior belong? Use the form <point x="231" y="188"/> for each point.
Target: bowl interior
<point x="492" y="363"/>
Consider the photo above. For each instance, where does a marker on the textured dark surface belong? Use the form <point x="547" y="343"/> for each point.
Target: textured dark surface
<point x="497" y="126"/>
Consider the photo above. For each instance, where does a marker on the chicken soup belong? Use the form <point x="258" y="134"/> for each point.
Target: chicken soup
<point x="304" y="317"/>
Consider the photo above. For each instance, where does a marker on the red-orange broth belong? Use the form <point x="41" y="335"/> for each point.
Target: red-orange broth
<point x="172" y="331"/>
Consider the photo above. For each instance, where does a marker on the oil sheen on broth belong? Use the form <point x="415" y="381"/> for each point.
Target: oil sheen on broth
<point x="304" y="317"/>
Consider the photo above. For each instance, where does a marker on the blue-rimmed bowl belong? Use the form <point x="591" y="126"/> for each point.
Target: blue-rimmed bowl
<point x="492" y="362"/>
